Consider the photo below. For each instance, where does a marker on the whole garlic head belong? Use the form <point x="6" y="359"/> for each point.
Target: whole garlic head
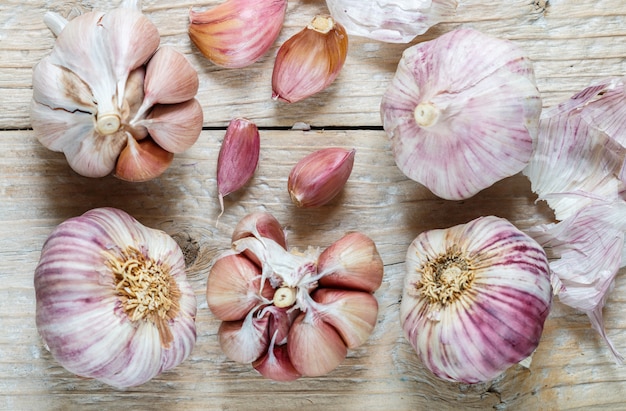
<point x="108" y="91"/>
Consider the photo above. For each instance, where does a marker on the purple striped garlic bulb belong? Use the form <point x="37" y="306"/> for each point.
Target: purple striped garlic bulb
<point x="110" y="99"/>
<point x="475" y="298"/>
<point x="293" y="313"/>
<point x="113" y="300"/>
<point x="462" y="112"/>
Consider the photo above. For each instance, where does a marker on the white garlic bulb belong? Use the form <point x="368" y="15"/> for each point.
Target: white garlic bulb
<point x="475" y="298"/>
<point x="93" y="94"/>
<point x="113" y="300"/>
<point x="462" y="112"/>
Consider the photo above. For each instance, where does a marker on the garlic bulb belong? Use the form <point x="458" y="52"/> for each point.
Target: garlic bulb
<point x="475" y="298"/>
<point x="392" y="21"/>
<point x="462" y="112"/>
<point x="237" y="33"/>
<point x="310" y="60"/>
<point x="107" y="91"/>
<point x="113" y="301"/>
<point x="297" y="313"/>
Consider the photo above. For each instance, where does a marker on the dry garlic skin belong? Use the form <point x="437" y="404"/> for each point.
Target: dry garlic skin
<point x="113" y="300"/>
<point x="110" y="99"/>
<point x="462" y="112"/>
<point x="475" y="298"/>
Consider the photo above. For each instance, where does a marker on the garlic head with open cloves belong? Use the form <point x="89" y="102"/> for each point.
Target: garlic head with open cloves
<point x="462" y="112"/>
<point x="310" y="60"/>
<point x="110" y="99"/>
<point x="475" y="298"/>
<point x="112" y="299"/>
<point x="293" y="313"/>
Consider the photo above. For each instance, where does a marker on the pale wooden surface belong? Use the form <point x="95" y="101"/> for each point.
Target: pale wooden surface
<point x="571" y="43"/>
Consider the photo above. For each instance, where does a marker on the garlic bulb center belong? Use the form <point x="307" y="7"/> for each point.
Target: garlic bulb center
<point x="107" y="124"/>
<point x="426" y="114"/>
<point x="446" y="278"/>
<point x="284" y="297"/>
<point x="322" y="24"/>
<point x="146" y="289"/>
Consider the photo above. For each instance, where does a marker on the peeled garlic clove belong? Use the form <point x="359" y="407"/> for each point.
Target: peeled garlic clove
<point x="462" y="112"/>
<point x="238" y="157"/>
<point x="314" y="347"/>
<point x="309" y="61"/>
<point x="245" y="340"/>
<point x="351" y="262"/>
<point x="392" y="21"/>
<point x="113" y="300"/>
<point x="475" y="298"/>
<point x="276" y="365"/>
<point x="260" y="225"/>
<point x="234" y="288"/>
<point x="174" y="127"/>
<point x="320" y="176"/>
<point x="142" y="160"/>
<point x="352" y="313"/>
<point x="237" y="33"/>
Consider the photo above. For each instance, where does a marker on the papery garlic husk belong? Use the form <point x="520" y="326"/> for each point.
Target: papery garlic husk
<point x="104" y="74"/>
<point x="238" y="157"/>
<point x="237" y="33"/>
<point x="475" y="298"/>
<point x="318" y="177"/>
<point x="309" y="61"/>
<point x="391" y="21"/>
<point x="308" y="327"/>
<point x="113" y="300"/>
<point x="462" y="112"/>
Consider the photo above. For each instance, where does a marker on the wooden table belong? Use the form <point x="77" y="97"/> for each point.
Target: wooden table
<point x="571" y="44"/>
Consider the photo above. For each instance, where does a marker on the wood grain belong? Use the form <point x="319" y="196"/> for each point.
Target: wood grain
<point x="571" y="45"/>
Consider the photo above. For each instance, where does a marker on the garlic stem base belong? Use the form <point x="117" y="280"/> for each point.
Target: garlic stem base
<point x="426" y="114"/>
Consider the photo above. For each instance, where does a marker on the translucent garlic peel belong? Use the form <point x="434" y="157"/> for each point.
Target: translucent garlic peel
<point x="475" y="298"/>
<point x="82" y="314"/>
<point x="91" y="92"/>
<point x="462" y="112"/>
<point x="267" y="295"/>
<point x="392" y="21"/>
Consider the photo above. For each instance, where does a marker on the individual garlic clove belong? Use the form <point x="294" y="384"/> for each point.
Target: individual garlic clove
<point x="352" y="262"/>
<point x="142" y="160"/>
<point x="133" y="97"/>
<point x="237" y="33"/>
<point x="234" y="288"/>
<point x="170" y="79"/>
<point x="352" y="313"/>
<point x="392" y="21"/>
<point x="309" y="61"/>
<point x="174" y="127"/>
<point x="320" y="176"/>
<point x="260" y="225"/>
<point x="276" y="365"/>
<point x="314" y="347"/>
<point x="245" y="340"/>
<point x="475" y="298"/>
<point x="238" y="157"/>
<point x="462" y="112"/>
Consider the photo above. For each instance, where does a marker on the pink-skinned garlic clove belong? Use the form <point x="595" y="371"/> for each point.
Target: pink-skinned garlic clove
<point x="238" y="157"/>
<point x="260" y="225"/>
<point x="320" y="176"/>
<point x="462" y="112"/>
<point x="244" y="340"/>
<point x="234" y="287"/>
<point x="142" y="160"/>
<point x="352" y="262"/>
<point x="236" y="33"/>
<point x="352" y="313"/>
<point x="314" y="346"/>
<point x="276" y="365"/>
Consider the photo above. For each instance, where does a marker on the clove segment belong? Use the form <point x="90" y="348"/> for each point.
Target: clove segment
<point x="309" y="61"/>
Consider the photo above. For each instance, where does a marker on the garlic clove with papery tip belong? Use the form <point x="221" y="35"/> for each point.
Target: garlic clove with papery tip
<point x="462" y="112"/>
<point x="112" y="299"/>
<point x="309" y="61"/>
<point x="236" y="33"/>
<point x="475" y="298"/>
